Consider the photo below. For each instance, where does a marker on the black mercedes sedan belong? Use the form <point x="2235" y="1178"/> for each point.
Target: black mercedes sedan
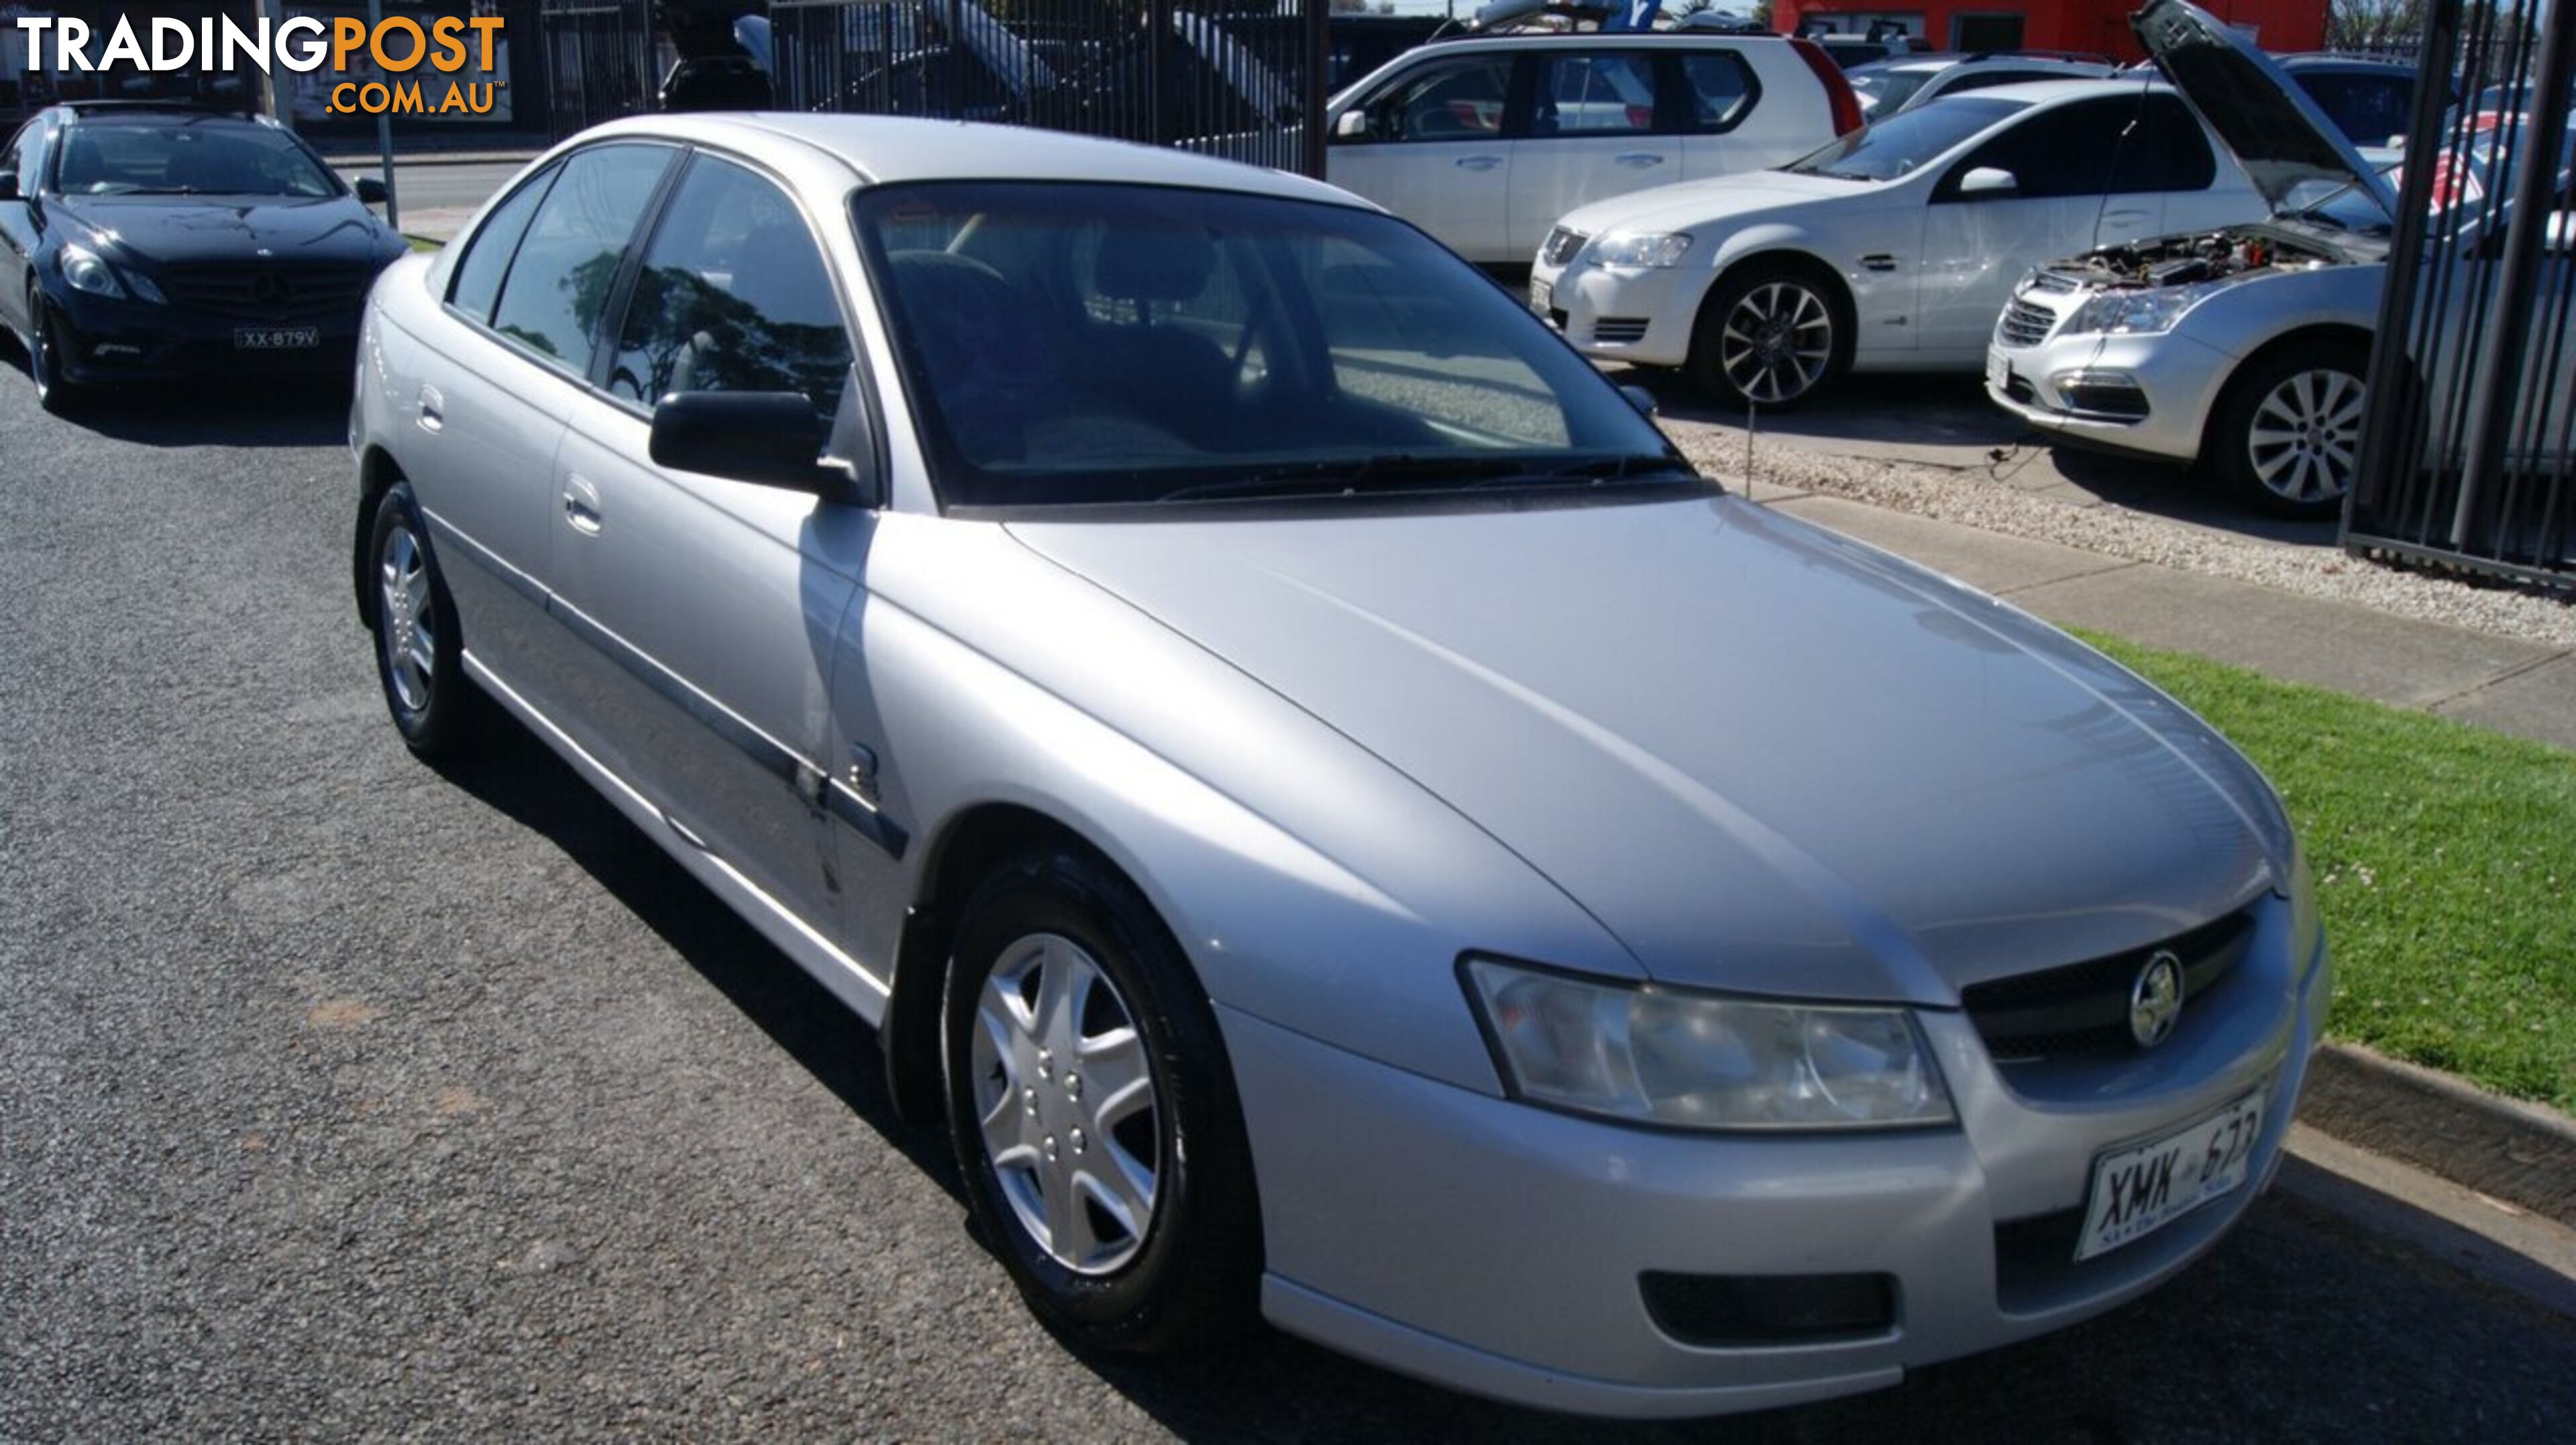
<point x="144" y="241"/>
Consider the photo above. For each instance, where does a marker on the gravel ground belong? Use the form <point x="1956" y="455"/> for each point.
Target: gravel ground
<point x="341" y="1096"/>
<point x="1978" y="498"/>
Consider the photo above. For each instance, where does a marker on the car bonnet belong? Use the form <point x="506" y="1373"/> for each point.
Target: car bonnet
<point x="2280" y="136"/>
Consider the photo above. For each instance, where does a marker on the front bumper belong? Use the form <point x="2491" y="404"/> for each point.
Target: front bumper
<point x="111" y="341"/>
<point x="1630" y="313"/>
<point x="1498" y="1248"/>
<point x="2179" y="381"/>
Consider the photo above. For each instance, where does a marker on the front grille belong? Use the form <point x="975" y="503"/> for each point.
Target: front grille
<point x="2053" y="282"/>
<point x="268" y="292"/>
<point x="1619" y="330"/>
<point x="2083" y="1008"/>
<point x="1735" y="1311"/>
<point x="2024" y="324"/>
<point x="1561" y="246"/>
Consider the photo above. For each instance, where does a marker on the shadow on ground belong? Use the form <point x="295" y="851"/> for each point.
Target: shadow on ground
<point x="214" y="411"/>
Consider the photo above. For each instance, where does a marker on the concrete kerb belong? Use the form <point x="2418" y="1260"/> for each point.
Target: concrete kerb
<point x="2522" y="1154"/>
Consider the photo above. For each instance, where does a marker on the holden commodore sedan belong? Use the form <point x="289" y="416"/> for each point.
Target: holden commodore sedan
<point x="1338" y="821"/>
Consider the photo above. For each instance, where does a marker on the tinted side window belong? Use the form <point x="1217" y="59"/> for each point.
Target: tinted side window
<point x="557" y="286"/>
<point x="1982" y="79"/>
<point x="1456" y="100"/>
<point x="733" y="296"/>
<point x="26" y="156"/>
<point x="2066" y="151"/>
<point x="1598" y="94"/>
<point x="2368" y="109"/>
<point x="477" y="283"/>
<point x="2169" y="152"/>
<point x="1721" y="89"/>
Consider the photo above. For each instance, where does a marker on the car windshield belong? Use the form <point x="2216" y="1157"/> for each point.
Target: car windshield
<point x="1883" y="88"/>
<point x="1075" y="344"/>
<point x="1887" y="149"/>
<point x="187" y="155"/>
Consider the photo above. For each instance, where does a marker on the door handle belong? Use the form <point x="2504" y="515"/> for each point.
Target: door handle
<point x="1479" y="163"/>
<point x="581" y="506"/>
<point x="1638" y="160"/>
<point x="432" y="407"/>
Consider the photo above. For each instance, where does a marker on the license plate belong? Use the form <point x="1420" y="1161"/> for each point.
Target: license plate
<point x="276" y="338"/>
<point x="1998" y="371"/>
<point x="2144" y="1187"/>
<point x="1542" y="295"/>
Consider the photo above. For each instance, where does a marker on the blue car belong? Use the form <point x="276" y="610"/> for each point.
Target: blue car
<point x="144" y="241"/>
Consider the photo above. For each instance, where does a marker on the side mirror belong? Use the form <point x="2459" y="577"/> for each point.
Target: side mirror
<point x="1989" y="181"/>
<point x="371" y="192"/>
<point x="1640" y="398"/>
<point x="769" y="437"/>
<point x="9" y="186"/>
<point x="1351" y="125"/>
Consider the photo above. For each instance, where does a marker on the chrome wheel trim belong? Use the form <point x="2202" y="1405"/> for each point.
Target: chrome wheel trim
<point x="1776" y="341"/>
<point x="1066" y="1105"/>
<point x="41" y="360"/>
<point x="2306" y="435"/>
<point x="405" y="628"/>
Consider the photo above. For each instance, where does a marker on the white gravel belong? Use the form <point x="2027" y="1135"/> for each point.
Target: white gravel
<point x="1974" y="498"/>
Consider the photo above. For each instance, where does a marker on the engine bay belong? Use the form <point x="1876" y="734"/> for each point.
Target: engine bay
<point x="2189" y="260"/>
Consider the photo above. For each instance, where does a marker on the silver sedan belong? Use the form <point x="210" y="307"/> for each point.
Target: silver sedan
<point x="1333" y="817"/>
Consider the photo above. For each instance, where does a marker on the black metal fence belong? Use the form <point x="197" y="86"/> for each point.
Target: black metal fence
<point x="1222" y="78"/>
<point x="2469" y="448"/>
<point x="1228" y="81"/>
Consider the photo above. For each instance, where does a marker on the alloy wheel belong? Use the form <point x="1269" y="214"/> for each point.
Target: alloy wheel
<point x="1776" y="342"/>
<point x="2306" y="436"/>
<point x="1066" y="1104"/>
<point x="44" y="359"/>
<point x="405" y="620"/>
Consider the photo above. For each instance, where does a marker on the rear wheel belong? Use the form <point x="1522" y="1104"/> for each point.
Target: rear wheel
<point x="418" y="654"/>
<point x="1768" y="337"/>
<point x="2288" y="435"/>
<point x="1093" y="1112"/>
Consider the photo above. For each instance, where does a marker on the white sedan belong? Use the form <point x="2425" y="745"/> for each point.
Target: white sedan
<point x="1892" y="249"/>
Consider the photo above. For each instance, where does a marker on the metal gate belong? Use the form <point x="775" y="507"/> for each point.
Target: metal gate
<point x="2469" y="448"/>
<point x="599" y="61"/>
<point x="1235" y="83"/>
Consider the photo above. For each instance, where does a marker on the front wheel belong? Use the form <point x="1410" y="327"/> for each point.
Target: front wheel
<point x="2288" y="434"/>
<point x="1093" y="1112"/>
<point x="50" y="343"/>
<point x="1768" y="337"/>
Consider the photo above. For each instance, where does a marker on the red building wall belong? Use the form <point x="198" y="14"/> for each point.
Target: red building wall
<point x="2100" y="26"/>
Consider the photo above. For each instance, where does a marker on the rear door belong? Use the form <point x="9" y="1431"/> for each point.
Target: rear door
<point x="2080" y="174"/>
<point x="1431" y="147"/>
<point x="705" y="610"/>
<point x="1600" y="124"/>
<point x="485" y="401"/>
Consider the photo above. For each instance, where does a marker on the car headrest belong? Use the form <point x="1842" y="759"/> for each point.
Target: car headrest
<point x="1155" y="264"/>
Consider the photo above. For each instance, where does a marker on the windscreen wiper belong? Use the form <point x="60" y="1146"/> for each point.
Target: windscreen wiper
<point x="1402" y="471"/>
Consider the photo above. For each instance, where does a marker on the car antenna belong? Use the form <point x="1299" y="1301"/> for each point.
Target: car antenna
<point x="2117" y="148"/>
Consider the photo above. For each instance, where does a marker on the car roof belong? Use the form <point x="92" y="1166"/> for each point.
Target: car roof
<point x="886" y="148"/>
<point x="1554" y="39"/>
<point x="2349" y="64"/>
<point x="2035" y="92"/>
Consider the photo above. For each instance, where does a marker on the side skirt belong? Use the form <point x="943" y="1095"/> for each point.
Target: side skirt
<point x="849" y="980"/>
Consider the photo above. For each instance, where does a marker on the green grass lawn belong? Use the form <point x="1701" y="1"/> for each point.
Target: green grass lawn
<point x="423" y="243"/>
<point x="2446" y="867"/>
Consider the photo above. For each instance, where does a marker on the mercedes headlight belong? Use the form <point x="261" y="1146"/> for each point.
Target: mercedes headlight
<point x="1641" y="248"/>
<point x="2139" y="310"/>
<point x="1652" y="1055"/>
<point x="84" y="271"/>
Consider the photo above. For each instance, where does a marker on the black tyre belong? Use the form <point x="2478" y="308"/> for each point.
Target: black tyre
<point x="419" y="656"/>
<point x="49" y="341"/>
<point x="1769" y="336"/>
<point x="2287" y="434"/>
<point x="1094" y="1113"/>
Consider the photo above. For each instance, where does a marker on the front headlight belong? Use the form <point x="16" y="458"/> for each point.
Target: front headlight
<point x="1653" y="1055"/>
<point x="84" y="271"/>
<point x="144" y="287"/>
<point x="2143" y="310"/>
<point x="1641" y="248"/>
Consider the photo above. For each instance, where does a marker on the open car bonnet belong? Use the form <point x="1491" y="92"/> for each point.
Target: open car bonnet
<point x="2271" y="126"/>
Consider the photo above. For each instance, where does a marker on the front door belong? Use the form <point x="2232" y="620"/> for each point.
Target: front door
<point x="708" y="609"/>
<point x="1431" y="146"/>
